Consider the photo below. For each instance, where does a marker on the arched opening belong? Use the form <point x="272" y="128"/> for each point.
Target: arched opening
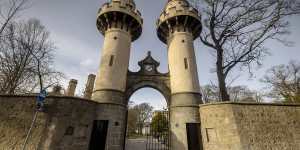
<point x="149" y="95"/>
<point x="161" y="88"/>
<point x="147" y="119"/>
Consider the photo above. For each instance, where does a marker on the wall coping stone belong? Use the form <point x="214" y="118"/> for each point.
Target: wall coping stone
<point x="251" y="103"/>
<point x="57" y="97"/>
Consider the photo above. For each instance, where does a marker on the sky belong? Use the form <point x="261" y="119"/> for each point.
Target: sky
<point x="72" y="24"/>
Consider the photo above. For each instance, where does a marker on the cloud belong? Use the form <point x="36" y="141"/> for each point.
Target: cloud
<point x="87" y="63"/>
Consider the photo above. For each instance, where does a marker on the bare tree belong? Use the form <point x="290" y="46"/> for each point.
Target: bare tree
<point x="9" y="9"/>
<point x="210" y="93"/>
<point x="239" y="93"/>
<point x="26" y="58"/>
<point x="242" y="93"/>
<point x="284" y="81"/>
<point x="144" y="112"/>
<point x="132" y="119"/>
<point x="138" y="115"/>
<point x="236" y="31"/>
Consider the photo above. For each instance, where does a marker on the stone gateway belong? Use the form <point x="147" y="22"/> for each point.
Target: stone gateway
<point x="178" y="25"/>
<point x="98" y="121"/>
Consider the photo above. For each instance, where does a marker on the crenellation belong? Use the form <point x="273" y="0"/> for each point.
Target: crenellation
<point x="120" y="14"/>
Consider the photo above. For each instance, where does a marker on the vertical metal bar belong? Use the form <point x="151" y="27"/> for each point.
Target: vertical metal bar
<point x="151" y="139"/>
<point x="162" y="133"/>
<point x="125" y="135"/>
<point x="169" y="129"/>
<point x="147" y="140"/>
<point x="157" y="135"/>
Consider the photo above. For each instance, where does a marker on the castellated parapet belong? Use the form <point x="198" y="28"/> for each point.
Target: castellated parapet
<point x="178" y="16"/>
<point x="120" y="14"/>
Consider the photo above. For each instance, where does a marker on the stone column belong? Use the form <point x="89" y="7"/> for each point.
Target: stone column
<point x="72" y="87"/>
<point x="89" y="86"/>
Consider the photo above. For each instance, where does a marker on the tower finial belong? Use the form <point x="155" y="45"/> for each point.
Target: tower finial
<point x="149" y="53"/>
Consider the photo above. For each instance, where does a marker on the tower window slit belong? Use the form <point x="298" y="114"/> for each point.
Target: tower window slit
<point x="111" y="61"/>
<point x="186" y="65"/>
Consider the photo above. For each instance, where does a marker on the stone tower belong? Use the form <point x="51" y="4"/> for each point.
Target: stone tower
<point x="120" y="23"/>
<point x="178" y="26"/>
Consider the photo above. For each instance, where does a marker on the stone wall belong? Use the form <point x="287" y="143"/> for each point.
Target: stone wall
<point x="248" y="126"/>
<point x="65" y="125"/>
<point x="116" y="115"/>
<point x="16" y="114"/>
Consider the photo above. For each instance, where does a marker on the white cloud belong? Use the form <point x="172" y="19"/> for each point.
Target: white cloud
<point x="87" y="63"/>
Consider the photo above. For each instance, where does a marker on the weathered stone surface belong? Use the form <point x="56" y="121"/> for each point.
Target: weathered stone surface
<point x="89" y="87"/>
<point x="116" y="114"/>
<point x="67" y="122"/>
<point x="248" y="126"/>
<point x="178" y="26"/>
<point x="148" y="78"/>
<point x="179" y="117"/>
<point x="71" y="87"/>
<point x="16" y="114"/>
<point x="65" y="125"/>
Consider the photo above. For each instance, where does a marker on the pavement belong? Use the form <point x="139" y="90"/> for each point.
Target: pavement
<point x="136" y="144"/>
<point x="141" y="144"/>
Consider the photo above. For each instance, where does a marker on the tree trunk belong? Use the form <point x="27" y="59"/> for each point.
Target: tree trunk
<point x="221" y="78"/>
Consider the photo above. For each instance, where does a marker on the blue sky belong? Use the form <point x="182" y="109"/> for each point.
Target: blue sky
<point x="72" y="24"/>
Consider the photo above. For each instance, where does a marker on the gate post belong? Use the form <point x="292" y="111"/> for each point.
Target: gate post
<point x="178" y="26"/>
<point x="182" y="114"/>
<point x="121" y="24"/>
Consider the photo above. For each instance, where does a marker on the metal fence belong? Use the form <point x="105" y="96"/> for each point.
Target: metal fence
<point x="158" y="137"/>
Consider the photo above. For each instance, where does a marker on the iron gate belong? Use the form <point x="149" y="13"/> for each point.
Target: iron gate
<point x="158" y="137"/>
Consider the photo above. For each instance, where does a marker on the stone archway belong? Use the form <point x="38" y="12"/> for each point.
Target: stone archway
<point x="140" y="82"/>
<point x="148" y="76"/>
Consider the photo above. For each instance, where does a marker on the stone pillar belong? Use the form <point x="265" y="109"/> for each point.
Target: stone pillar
<point x="178" y="27"/>
<point x="89" y="86"/>
<point x="121" y="24"/>
<point x="71" y="88"/>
